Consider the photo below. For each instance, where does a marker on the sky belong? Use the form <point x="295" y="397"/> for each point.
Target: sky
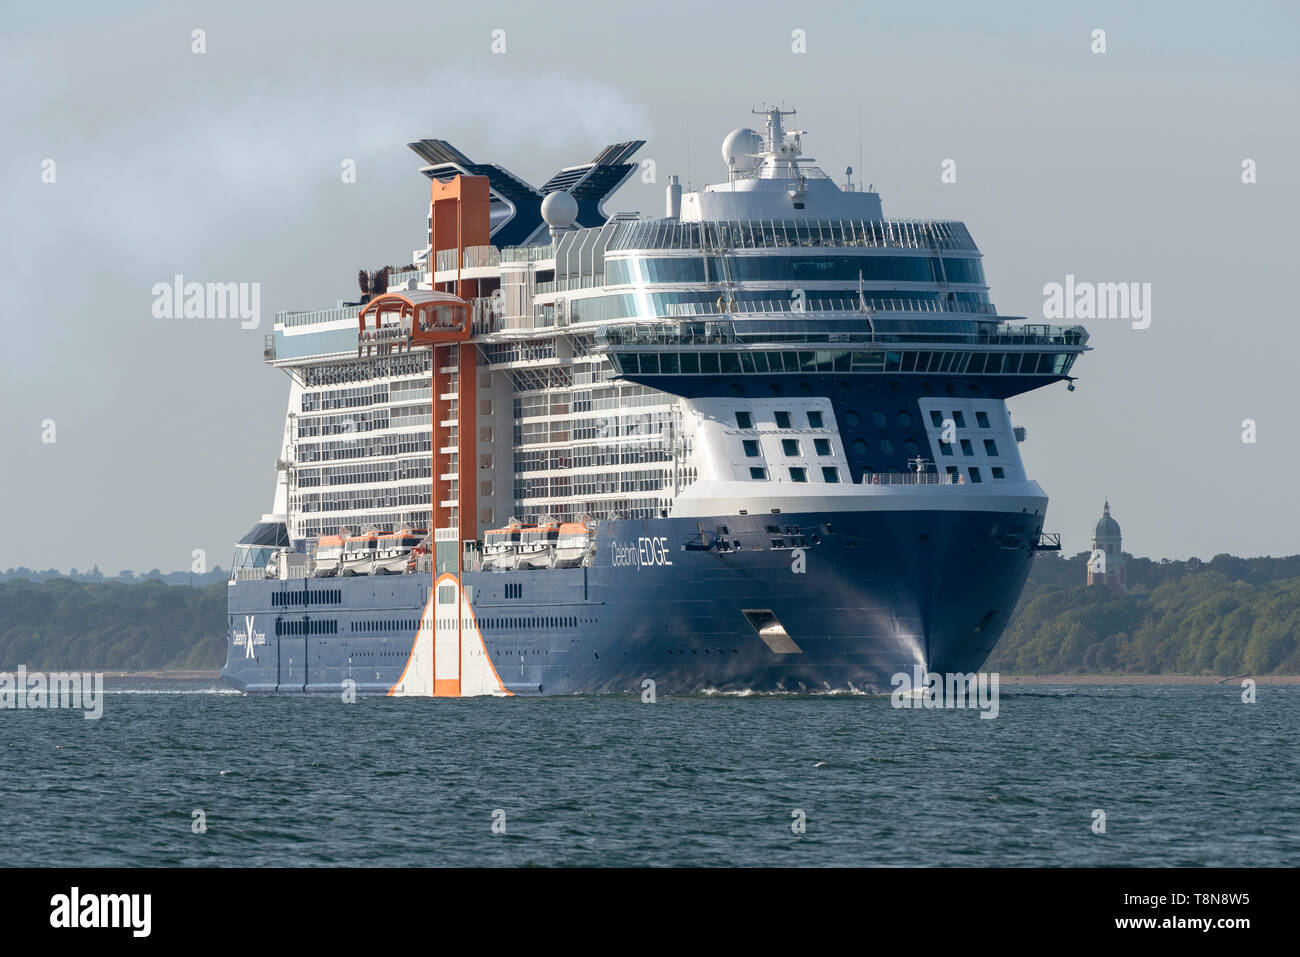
<point x="130" y="441"/>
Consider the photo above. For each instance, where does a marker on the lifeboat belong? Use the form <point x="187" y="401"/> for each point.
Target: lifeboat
<point x="576" y="541"/>
<point x="359" y="554"/>
<point x="537" y="545"/>
<point x="329" y="555"/>
<point x="393" y="550"/>
<point x="501" y="547"/>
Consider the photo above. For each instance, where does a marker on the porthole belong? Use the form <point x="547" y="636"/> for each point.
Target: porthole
<point x="852" y="419"/>
<point x="887" y="446"/>
<point x="879" y="419"/>
<point x="904" y="419"/>
<point x="859" y="447"/>
<point x="911" y="447"/>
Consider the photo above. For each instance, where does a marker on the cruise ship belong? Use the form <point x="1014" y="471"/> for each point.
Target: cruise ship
<point x="757" y="444"/>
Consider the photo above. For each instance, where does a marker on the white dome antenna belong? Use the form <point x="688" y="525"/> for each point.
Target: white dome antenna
<point x="740" y="149"/>
<point x="559" y="211"/>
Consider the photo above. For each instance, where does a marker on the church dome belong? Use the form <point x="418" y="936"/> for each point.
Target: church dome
<point x="1107" y="527"/>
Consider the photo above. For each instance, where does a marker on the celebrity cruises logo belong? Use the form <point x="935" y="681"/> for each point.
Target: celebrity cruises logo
<point x="927" y="689"/>
<point x="248" y="639"/>
<point x="35" y="690"/>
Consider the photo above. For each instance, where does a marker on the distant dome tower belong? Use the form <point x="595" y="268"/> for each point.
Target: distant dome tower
<point x="1106" y="563"/>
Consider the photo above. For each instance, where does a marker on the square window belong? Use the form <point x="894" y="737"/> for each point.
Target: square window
<point x="783" y="420"/>
<point x="790" y="447"/>
<point x="798" y="475"/>
<point x="814" y="420"/>
<point x="936" y="418"/>
<point x="952" y="470"/>
<point x="751" y="448"/>
<point x="974" y="475"/>
<point x="757" y="473"/>
<point x="959" y="419"/>
<point x="945" y="448"/>
<point x="966" y="447"/>
<point x="997" y="472"/>
<point x="990" y="447"/>
<point x="982" y="419"/>
<point x="823" y="446"/>
<point x="830" y="473"/>
<point x="744" y="420"/>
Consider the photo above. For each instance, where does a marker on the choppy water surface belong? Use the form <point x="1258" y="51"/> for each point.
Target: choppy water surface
<point x="1185" y="776"/>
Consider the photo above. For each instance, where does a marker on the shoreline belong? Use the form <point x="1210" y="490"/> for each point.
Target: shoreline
<point x="1005" y="679"/>
<point x="1128" y="679"/>
<point x="168" y="675"/>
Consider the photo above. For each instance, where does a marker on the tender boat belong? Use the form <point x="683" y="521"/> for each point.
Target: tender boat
<point x="537" y="545"/>
<point x="576" y="542"/>
<point x="359" y="554"/>
<point x="329" y="555"/>
<point x="501" y="547"/>
<point x="393" y="550"/>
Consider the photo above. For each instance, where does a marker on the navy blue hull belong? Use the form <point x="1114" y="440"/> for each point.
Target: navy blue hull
<point x="867" y="595"/>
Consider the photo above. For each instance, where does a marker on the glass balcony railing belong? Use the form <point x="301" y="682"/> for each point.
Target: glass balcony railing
<point x="289" y="319"/>
<point x="861" y="330"/>
<point x="475" y="257"/>
<point x="527" y="254"/>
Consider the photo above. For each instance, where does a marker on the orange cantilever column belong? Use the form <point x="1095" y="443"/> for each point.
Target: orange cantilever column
<point x="459" y="219"/>
<point x="442" y="321"/>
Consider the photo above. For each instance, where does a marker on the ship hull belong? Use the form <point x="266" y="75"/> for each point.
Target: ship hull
<point x="857" y="597"/>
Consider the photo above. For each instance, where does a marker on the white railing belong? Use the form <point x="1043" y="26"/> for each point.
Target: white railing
<point x="313" y="316"/>
<point x="475" y="257"/>
<point x="913" y="478"/>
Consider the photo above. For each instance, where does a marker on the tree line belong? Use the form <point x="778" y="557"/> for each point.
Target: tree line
<point x="1227" y="616"/>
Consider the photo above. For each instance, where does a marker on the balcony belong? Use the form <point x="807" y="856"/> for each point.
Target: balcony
<point x="528" y="254"/>
<point x="476" y="257"/>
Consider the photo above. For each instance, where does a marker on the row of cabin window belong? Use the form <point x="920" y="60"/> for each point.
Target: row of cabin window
<point x="792" y="448"/>
<point x="797" y="473"/>
<point x="746" y="421"/>
<point x="990" y="447"/>
<point x="832" y="474"/>
<point x="959" y="420"/>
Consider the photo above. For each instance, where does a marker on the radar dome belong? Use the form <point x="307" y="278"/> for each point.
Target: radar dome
<point x="559" y="209"/>
<point x="737" y="147"/>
